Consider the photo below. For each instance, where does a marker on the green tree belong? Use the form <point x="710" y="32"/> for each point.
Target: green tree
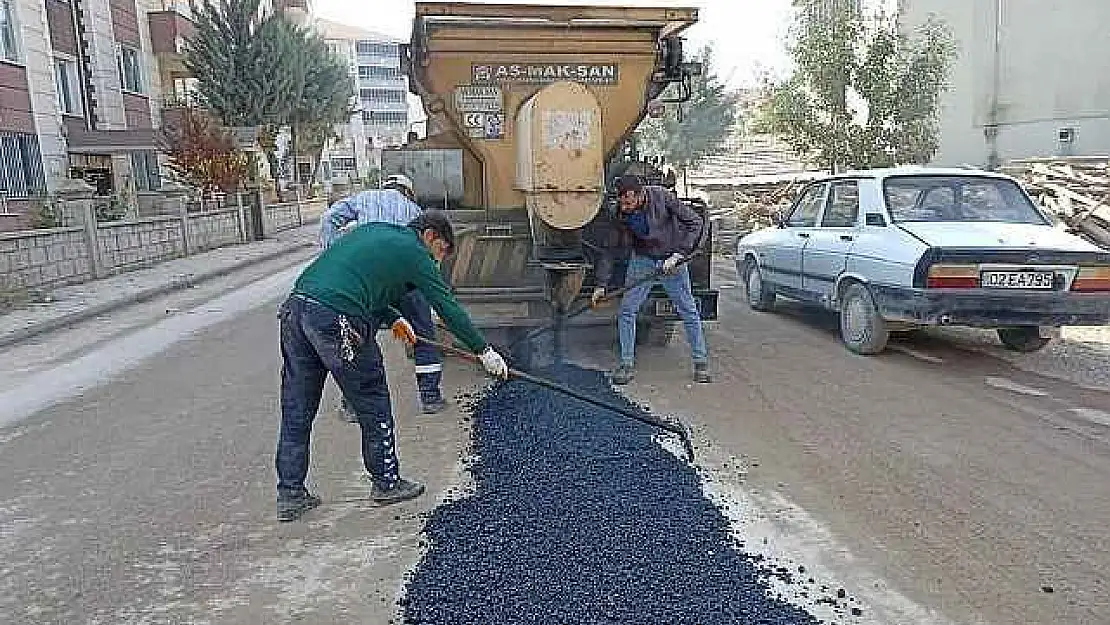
<point x="267" y="72"/>
<point x="701" y="124"/>
<point x="241" y="62"/>
<point x="862" y="94"/>
<point x="325" y="98"/>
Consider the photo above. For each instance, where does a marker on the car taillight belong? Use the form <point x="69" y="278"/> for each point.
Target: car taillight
<point x="953" y="277"/>
<point x="1092" y="280"/>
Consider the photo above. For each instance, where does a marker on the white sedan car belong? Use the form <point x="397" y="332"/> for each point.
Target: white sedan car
<point x="895" y="249"/>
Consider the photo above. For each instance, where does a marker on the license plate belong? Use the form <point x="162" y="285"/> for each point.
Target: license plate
<point x="1039" y="280"/>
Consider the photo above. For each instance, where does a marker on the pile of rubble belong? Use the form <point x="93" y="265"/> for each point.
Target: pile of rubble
<point x="752" y="207"/>
<point x="1075" y="189"/>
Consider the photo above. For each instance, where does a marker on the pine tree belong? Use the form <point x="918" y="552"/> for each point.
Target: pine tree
<point x="325" y="99"/>
<point x="241" y="62"/>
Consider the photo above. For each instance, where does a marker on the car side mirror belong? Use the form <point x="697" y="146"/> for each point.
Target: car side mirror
<point x="778" y="219"/>
<point x="874" y="219"/>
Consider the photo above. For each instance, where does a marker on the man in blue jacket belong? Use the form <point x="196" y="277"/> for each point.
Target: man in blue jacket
<point x="394" y="203"/>
<point x="655" y="232"/>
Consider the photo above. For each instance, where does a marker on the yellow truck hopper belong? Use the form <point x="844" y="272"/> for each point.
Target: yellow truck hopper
<point x="526" y="105"/>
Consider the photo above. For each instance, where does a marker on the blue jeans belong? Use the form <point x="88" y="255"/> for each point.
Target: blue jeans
<point x="429" y="366"/>
<point x="678" y="290"/>
<point x="316" y="341"/>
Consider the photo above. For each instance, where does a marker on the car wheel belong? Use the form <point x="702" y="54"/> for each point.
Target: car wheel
<point x="761" y="296"/>
<point x="1024" y="339"/>
<point x="862" y="328"/>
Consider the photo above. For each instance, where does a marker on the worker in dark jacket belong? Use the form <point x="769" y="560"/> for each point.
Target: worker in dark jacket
<point x="328" y="325"/>
<point x="655" y="232"/>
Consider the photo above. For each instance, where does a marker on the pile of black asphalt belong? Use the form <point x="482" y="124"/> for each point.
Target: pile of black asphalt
<point x="578" y="516"/>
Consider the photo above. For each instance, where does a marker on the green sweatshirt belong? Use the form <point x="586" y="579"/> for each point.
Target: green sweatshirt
<point x="368" y="270"/>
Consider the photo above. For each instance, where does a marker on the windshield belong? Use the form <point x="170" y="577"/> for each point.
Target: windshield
<point x="959" y="198"/>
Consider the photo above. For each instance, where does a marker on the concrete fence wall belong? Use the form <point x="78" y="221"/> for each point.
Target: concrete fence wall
<point x="37" y="259"/>
<point x="139" y="243"/>
<point x="281" y="216"/>
<point x="44" y="257"/>
<point x="213" y="229"/>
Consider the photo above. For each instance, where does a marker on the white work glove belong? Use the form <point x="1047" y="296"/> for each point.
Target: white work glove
<point x="671" y="264"/>
<point x="598" y="297"/>
<point x="348" y="227"/>
<point x="495" y="365"/>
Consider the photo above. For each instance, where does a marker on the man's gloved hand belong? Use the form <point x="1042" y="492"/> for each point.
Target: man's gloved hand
<point x="494" y="364"/>
<point x="348" y="227"/>
<point x="671" y="264"/>
<point x="598" y="297"/>
<point x="402" y="331"/>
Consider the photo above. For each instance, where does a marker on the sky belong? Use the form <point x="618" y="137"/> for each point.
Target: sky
<point x="748" y="35"/>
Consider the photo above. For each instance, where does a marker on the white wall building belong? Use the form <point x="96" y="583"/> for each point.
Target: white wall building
<point x="382" y="118"/>
<point x="1032" y="78"/>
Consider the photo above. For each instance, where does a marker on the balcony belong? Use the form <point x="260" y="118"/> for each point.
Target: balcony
<point x="168" y="32"/>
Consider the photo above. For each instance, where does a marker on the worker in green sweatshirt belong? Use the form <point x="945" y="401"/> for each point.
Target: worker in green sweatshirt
<point x="328" y="325"/>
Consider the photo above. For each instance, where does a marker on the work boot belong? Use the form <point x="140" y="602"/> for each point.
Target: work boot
<point x="435" y="406"/>
<point x="291" y="508"/>
<point x="623" y="374"/>
<point x="701" y="373"/>
<point x="403" y="490"/>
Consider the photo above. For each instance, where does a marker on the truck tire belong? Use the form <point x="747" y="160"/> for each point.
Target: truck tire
<point x="761" y="297"/>
<point x="1023" y="339"/>
<point x="862" y="328"/>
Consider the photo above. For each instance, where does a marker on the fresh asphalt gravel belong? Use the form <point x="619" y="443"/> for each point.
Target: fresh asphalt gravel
<point x="578" y="516"/>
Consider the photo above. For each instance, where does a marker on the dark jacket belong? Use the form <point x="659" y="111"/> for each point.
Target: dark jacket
<point x="672" y="227"/>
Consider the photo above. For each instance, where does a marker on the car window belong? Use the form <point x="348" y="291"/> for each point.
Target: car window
<point x="808" y="207"/>
<point x="843" y="208"/>
<point x="958" y="198"/>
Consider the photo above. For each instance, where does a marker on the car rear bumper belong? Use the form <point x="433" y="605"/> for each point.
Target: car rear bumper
<point x="988" y="308"/>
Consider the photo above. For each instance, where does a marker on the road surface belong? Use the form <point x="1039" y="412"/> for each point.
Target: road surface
<point x="933" y="483"/>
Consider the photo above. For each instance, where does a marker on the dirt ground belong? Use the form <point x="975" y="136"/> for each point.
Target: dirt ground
<point x="937" y="482"/>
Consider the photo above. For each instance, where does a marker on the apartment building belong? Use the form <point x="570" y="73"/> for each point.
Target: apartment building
<point x="84" y="88"/>
<point x="382" y="102"/>
<point x="382" y="90"/>
<point x="79" y="96"/>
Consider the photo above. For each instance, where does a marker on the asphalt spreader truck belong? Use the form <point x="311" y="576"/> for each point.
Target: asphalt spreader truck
<point x="530" y="114"/>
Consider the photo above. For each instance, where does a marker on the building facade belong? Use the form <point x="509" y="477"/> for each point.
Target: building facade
<point x="382" y="91"/>
<point x="84" y="88"/>
<point x="381" y="117"/>
<point x="1031" y="78"/>
<point x="79" y="96"/>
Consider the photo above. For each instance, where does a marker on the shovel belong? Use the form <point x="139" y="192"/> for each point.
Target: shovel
<point x="677" y="429"/>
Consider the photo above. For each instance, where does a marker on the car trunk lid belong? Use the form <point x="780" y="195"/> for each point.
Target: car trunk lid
<point x="996" y="236"/>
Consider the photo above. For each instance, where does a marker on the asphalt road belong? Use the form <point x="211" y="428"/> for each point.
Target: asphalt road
<point x="934" y="484"/>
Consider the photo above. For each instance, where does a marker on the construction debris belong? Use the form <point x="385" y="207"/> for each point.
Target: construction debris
<point x="1075" y="189"/>
<point x="753" y="203"/>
